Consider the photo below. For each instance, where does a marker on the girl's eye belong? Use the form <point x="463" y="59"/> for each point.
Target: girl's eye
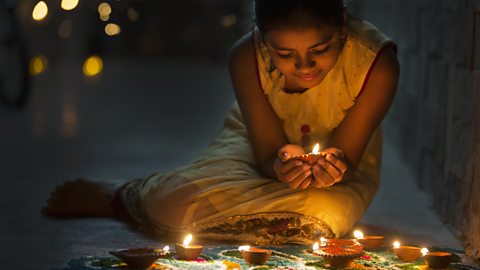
<point x="320" y="52"/>
<point x="285" y="55"/>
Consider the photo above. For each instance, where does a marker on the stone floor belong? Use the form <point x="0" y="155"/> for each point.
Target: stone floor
<point x="139" y="116"/>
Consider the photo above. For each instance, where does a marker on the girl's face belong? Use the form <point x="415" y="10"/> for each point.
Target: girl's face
<point x="304" y="56"/>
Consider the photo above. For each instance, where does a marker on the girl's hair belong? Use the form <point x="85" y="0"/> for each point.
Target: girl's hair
<point x="297" y="14"/>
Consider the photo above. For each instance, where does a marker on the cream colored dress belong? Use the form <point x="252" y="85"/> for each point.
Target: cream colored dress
<point x="221" y="194"/>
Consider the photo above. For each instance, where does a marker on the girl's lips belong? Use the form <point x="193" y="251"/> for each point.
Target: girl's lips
<point x="307" y="77"/>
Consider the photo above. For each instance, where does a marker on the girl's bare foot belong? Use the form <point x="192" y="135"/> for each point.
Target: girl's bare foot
<point x="80" y="198"/>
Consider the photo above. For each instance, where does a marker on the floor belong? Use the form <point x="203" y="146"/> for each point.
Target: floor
<point x="139" y="116"/>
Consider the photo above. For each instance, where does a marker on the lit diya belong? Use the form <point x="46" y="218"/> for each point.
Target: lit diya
<point x="140" y="257"/>
<point x="406" y="253"/>
<point x="337" y="256"/>
<point x="186" y="251"/>
<point x="370" y="242"/>
<point x="255" y="256"/>
<point x="344" y="243"/>
<point x="311" y="157"/>
<point x="437" y="259"/>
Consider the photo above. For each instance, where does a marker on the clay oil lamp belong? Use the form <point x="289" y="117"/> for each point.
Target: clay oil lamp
<point x="437" y="259"/>
<point x="311" y="157"/>
<point x="344" y="243"/>
<point x="406" y="253"/>
<point x="369" y="242"/>
<point x="139" y="257"/>
<point x="337" y="256"/>
<point x="255" y="256"/>
<point x="186" y="251"/>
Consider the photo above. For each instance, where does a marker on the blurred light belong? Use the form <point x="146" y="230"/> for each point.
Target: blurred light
<point x="104" y="9"/>
<point x="65" y="28"/>
<point x="132" y="14"/>
<point x="69" y="4"/>
<point x="228" y="20"/>
<point x="104" y="17"/>
<point x="40" y="11"/>
<point x="38" y="64"/>
<point x="69" y="117"/>
<point x="92" y="66"/>
<point x="112" y="29"/>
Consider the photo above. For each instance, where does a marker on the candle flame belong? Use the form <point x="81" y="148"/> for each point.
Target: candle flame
<point x="315" y="246"/>
<point x="358" y="234"/>
<point x="166" y="249"/>
<point x="323" y="241"/>
<point x="396" y="244"/>
<point x="315" y="149"/>
<point x="243" y="248"/>
<point x="187" y="240"/>
<point x="424" y="251"/>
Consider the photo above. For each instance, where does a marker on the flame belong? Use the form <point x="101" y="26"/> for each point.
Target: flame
<point x="358" y="234"/>
<point x="166" y="249"/>
<point x="243" y="248"/>
<point x="396" y="244"/>
<point x="187" y="240"/>
<point x="323" y="241"/>
<point x="424" y="251"/>
<point x="315" y="246"/>
<point x="315" y="149"/>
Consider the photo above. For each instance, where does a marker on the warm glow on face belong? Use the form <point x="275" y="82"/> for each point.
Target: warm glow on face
<point x="166" y="249"/>
<point x="358" y="234"/>
<point x="424" y="251"/>
<point x="315" y="149"/>
<point x="112" y="29"/>
<point x="396" y="244"/>
<point x="40" y="11"/>
<point x="243" y="248"/>
<point x="69" y="4"/>
<point x="187" y="240"/>
<point x="38" y="64"/>
<point x="92" y="66"/>
<point x="316" y="246"/>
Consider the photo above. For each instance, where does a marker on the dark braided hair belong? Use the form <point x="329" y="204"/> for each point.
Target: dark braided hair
<point x="297" y="14"/>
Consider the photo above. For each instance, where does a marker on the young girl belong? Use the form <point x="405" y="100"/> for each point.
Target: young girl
<point x="306" y="74"/>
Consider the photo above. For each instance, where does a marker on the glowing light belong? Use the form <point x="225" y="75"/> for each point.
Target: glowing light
<point x="166" y="249"/>
<point x="228" y="20"/>
<point x="38" y="64"/>
<point x="40" y="11"/>
<point x="315" y="149"/>
<point x="323" y="241"/>
<point x="424" y="251"/>
<point x="112" y="29"/>
<point x="104" y="9"/>
<point x="187" y="240"/>
<point x="104" y="18"/>
<point x="396" y="244"/>
<point x="132" y="14"/>
<point x="92" y="66"/>
<point x="243" y="248"/>
<point x="358" y="234"/>
<point x="316" y="246"/>
<point x="65" y="28"/>
<point x="69" y="4"/>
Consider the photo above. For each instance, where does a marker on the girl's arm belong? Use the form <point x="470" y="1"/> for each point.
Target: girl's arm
<point x="354" y="132"/>
<point x="264" y="127"/>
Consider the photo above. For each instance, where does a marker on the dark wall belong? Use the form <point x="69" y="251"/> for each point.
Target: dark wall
<point x="435" y="118"/>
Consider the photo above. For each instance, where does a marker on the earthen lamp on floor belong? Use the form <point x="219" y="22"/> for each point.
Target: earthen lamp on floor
<point x="369" y="242"/>
<point x="186" y="251"/>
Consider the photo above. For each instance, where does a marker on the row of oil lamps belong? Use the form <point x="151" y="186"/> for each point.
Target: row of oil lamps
<point x="338" y="253"/>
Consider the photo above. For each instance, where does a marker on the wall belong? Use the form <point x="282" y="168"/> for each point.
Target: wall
<point x="434" y="121"/>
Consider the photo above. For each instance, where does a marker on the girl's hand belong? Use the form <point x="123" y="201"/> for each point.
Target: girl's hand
<point x="330" y="168"/>
<point x="293" y="172"/>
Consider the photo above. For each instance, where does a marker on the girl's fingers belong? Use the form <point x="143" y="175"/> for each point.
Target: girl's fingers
<point x="306" y="183"/>
<point x="297" y="181"/>
<point x="322" y="177"/>
<point x="338" y="163"/>
<point x="290" y="165"/>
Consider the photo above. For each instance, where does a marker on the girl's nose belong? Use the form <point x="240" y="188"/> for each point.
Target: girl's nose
<point x="304" y="63"/>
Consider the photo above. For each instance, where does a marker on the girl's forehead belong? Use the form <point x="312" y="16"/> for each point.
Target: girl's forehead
<point x="293" y="38"/>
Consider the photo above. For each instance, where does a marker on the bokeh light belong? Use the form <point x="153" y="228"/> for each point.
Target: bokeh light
<point x="92" y="66"/>
<point x="38" y="65"/>
<point x="228" y="20"/>
<point x="40" y="11"/>
<point x="69" y="4"/>
<point x="112" y="29"/>
<point x="132" y="14"/>
<point x="104" y="9"/>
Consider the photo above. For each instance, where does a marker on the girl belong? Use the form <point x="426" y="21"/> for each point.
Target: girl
<point x="307" y="73"/>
